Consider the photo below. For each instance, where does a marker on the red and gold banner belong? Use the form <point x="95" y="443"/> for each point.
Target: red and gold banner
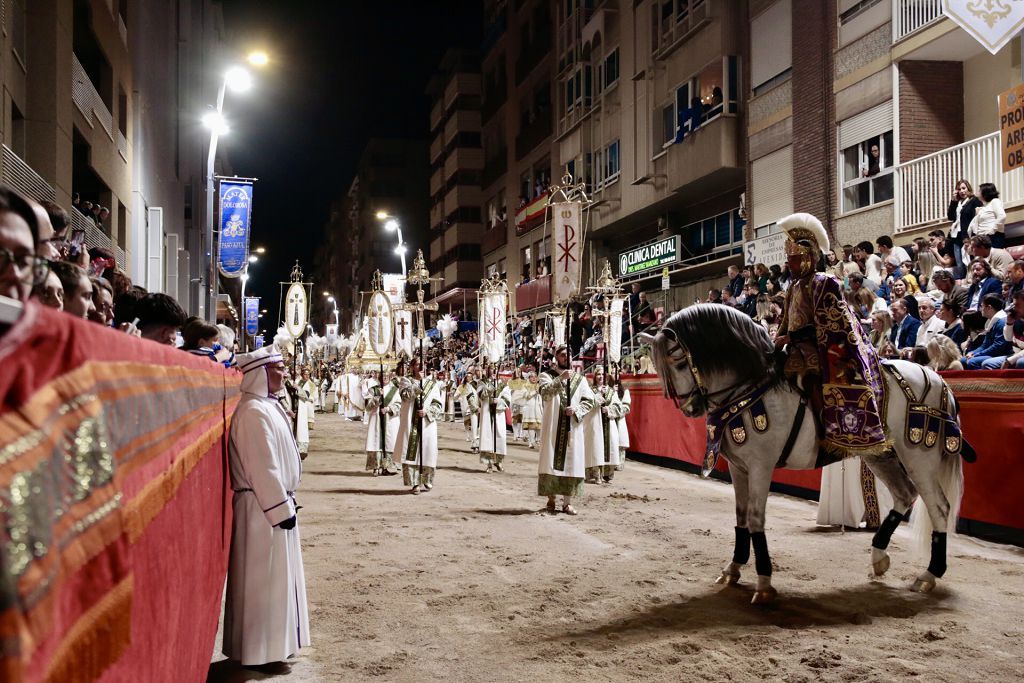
<point x="115" y="522"/>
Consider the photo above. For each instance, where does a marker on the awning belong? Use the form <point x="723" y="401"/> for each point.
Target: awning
<point x="457" y="294"/>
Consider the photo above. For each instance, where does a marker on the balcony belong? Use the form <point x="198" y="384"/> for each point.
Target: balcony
<point x="910" y="16"/>
<point x="463" y="159"/>
<point x="532" y="53"/>
<point x="436" y="148"/>
<point x="533" y="294"/>
<point x="922" y="186"/>
<point x="459" y="122"/>
<point x="492" y="101"/>
<point x="88" y="101"/>
<point x="495" y="237"/>
<point x="494" y="168"/>
<point x="534" y="133"/>
<point x="436" y="215"/>
<point x="530" y="216"/>
<point x="436" y="182"/>
<point x="436" y="115"/>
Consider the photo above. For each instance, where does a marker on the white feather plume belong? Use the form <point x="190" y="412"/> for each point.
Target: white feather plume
<point x="282" y="340"/>
<point x="807" y="222"/>
<point x="447" y="325"/>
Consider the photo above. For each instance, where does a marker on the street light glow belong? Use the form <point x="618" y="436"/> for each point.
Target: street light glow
<point x="245" y="278"/>
<point x="238" y="79"/>
<point x="258" y="58"/>
<point x="391" y="225"/>
<point x="381" y="215"/>
<point x="253" y="258"/>
<point x="263" y="311"/>
<point x="330" y="299"/>
<point x="261" y="250"/>
<point x="216" y="123"/>
<point x="400" y="249"/>
<point x="327" y="293"/>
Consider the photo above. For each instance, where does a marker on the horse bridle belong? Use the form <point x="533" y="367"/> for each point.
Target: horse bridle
<point x="699" y="388"/>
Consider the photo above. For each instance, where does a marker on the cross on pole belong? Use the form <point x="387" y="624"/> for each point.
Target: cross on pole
<point x="420" y="277"/>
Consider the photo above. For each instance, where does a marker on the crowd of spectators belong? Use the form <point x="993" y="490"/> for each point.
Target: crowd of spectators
<point x="914" y="300"/>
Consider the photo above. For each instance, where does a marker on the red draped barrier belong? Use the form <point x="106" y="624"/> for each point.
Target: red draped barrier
<point x="116" y="523"/>
<point x="991" y="415"/>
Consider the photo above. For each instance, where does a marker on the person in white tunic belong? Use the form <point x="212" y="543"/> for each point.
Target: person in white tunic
<point x="330" y="394"/>
<point x="567" y="401"/>
<point x="354" y="410"/>
<point x="417" y="434"/>
<point x="852" y="496"/>
<point x="519" y="387"/>
<point x="311" y="396"/>
<point x="469" y="404"/>
<point x="297" y="404"/>
<point x="266" y="617"/>
<point x="495" y="398"/>
<point x="533" y="408"/>
<point x="382" y="411"/>
<point x="611" y="410"/>
<point x="625" y="403"/>
<point x="597" y="428"/>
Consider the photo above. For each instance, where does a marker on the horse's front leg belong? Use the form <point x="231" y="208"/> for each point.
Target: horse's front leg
<point x="760" y="479"/>
<point x="741" y="551"/>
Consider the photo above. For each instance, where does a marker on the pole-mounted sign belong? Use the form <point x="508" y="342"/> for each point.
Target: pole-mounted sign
<point x="235" y="217"/>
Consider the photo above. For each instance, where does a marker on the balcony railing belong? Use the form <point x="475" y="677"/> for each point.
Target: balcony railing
<point x="532" y="53"/>
<point x="494" y="237"/>
<point x="533" y="134"/>
<point x="535" y="293"/>
<point x="910" y="16"/>
<point x="924" y="185"/>
<point x="18" y="174"/>
<point x="531" y="215"/>
<point x="88" y="101"/>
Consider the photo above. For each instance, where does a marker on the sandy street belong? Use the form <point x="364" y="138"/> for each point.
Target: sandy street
<point x="471" y="582"/>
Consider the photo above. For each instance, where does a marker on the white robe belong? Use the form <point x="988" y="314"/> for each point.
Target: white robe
<point x="432" y="404"/>
<point x="392" y="409"/>
<point x="266" y="618"/>
<point x="469" y="404"/>
<point x="594" y="431"/>
<point x="494" y="440"/>
<point x="312" y="400"/>
<point x="533" y="406"/>
<point x="611" y="442"/>
<point x="581" y="402"/>
<point x="354" y="410"/>
<point x="626" y="401"/>
<point x="841" y="502"/>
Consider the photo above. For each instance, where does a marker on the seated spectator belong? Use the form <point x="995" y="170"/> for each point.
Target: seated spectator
<point x="1015" y="276"/>
<point x="888" y="350"/>
<point x="904" y="326"/>
<point x="943" y="354"/>
<point x="50" y="292"/>
<point x="77" y="289"/>
<point x="103" y="302"/>
<point x="870" y="264"/>
<point x="886" y="249"/>
<point x="916" y="354"/>
<point x="1013" y="332"/>
<point x="736" y="282"/>
<point x="984" y="284"/>
<point x="714" y="296"/>
<point x="946" y="288"/>
<point x="999" y="259"/>
<point x="201" y="338"/>
<point x="931" y="325"/>
<point x="994" y="348"/>
<point x="751" y="294"/>
<point x="949" y="313"/>
<point x="863" y="300"/>
<point x="160" y="318"/>
<point x="881" y="324"/>
<point x="941" y="249"/>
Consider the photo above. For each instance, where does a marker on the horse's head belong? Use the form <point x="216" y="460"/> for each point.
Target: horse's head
<point x="680" y="379"/>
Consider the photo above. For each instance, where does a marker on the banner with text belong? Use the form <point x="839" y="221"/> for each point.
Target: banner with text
<point x="615" y="329"/>
<point x="235" y="217"/>
<point x="649" y="256"/>
<point x="252" y="314"/>
<point x="567" y="236"/>
<point x="770" y="250"/>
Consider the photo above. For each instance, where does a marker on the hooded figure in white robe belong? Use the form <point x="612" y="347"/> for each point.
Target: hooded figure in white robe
<point x="563" y="433"/>
<point x="469" y="404"/>
<point x="495" y="399"/>
<point x="382" y="414"/>
<point x="266" y="618"/>
<point x="422" y="407"/>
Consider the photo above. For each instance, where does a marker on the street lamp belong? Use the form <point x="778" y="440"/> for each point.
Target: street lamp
<point x="239" y="80"/>
<point x="392" y="225"/>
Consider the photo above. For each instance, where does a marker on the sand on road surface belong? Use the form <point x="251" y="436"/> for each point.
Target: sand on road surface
<point x="473" y="582"/>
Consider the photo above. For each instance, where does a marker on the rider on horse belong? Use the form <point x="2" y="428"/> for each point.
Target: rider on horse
<point x="828" y="354"/>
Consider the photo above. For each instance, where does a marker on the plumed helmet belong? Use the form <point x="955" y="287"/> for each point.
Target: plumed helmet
<point x="806" y="238"/>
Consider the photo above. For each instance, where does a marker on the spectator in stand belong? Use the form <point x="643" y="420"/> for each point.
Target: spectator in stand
<point x="974" y="327"/>
<point x="736" y="282"/>
<point x="76" y="200"/>
<point x="887" y="249"/>
<point x="77" y="289"/>
<point x="962" y="208"/>
<point x="941" y="250"/>
<point x="917" y="355"/>
<point x="949" y="314"/>
<point x="20" y="267"/>
<point x="904" y="326"/>
<point x="946" y="288"/>
<point x="103" y="302"/>
<point x="50" y="292"/>
<point x="775" y="279"/>
<point x="752" y="293"/>
<point x="714" y="296"/>
<point x="994" y="348"/>
<point x="999" y="259"/>
<point x="59" y="220"/>
<point x="160" y="318"/>
<point x="990" y="218"/>
<point x="201" y="339"/>
<point x="943" y="354"/>
<point x="984" y="284"/>
<point x="881" y="324"/>
<point x="900" y="271"/>
<point x="761" y="274"/>
<point x="862" y="300"/>
<point x="931" y="325"/>
<point x="870" y="263"/>
<point x="1013" y="332"/>
<point x="1015" y="276"/>
<point x="646" y="314"/>
<point x="768" y="314"/>
<point x="104" y="215"/>
<point x="925" y="263"/>
<point x="94" y="214"/>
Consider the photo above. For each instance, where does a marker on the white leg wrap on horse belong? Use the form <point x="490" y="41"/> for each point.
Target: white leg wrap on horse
<point x="730" y="575"/>
<point x="764" y="593"/>
<point x="924" y="583"/>
<point x="879" y="561"/>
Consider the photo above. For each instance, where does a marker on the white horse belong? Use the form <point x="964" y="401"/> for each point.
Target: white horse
<point x="711" y="357"/>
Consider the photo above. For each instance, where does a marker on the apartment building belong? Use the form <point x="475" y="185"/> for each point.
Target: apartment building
<point x="866" y="113"/>
<point x="97" y="98"/>
<point x="456" y="162"/>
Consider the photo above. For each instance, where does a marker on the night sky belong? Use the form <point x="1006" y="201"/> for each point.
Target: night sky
<point x="342" y="71"/>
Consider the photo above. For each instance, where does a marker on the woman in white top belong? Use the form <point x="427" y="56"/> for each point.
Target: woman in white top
<point x="990" y="219"/>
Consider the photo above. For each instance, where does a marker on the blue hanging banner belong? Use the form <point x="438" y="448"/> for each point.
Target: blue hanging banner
<point x="258" y="342"/>
<point x="252" y="314"/>
<point x="235" y="217"/>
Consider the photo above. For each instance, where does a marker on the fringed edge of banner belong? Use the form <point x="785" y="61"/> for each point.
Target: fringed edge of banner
<point x="97" y="639"/>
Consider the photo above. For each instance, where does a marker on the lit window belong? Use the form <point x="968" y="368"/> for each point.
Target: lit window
<point x="867" y="172"/>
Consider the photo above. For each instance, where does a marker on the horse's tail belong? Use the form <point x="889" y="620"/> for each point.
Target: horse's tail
<point x="951" y="481"/>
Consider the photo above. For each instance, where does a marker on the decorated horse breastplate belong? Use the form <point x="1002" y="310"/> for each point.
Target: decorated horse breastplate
<point x="730" y="418"/>
<point x="925" y="423"/>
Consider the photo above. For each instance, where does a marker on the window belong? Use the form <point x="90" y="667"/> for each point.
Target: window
<point x="867" y="172"/>
<point x="608" y="71"/>
<point x="850" y="10"/>
<point x="19" y="30"/>
<point x="765" y="230"/>
<point x="668" y="125"/>
<point x="710" y="93"/>
<point x="540" y="249"/>
<point x="713" y="237"/>
<point x="524" y="260"/>
<point x="671" y="20"/>
<point x="771" y="58"/>
<point x="607" y="163"/>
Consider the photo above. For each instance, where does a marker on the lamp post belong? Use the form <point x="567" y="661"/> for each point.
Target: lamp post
<point x="239" y="80"/>
<point x="392" y="225"/>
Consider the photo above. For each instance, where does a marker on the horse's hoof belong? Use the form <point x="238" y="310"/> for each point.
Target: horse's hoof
<point x="764" y="596"/>
<point x="881" y="566"/>
<point x="728" y="578"/>
<point x="923" y="585"/>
